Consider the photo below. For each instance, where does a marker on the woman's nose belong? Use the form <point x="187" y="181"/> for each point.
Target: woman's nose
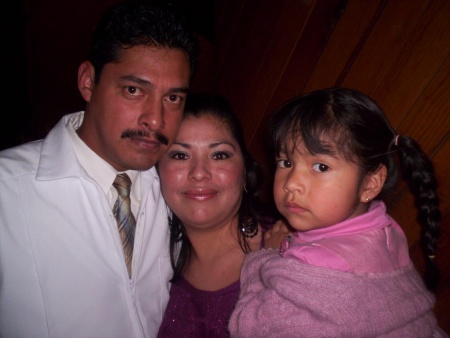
<point x="200" y="171"/>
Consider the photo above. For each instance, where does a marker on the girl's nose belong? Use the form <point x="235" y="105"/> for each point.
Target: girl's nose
<point x="295" y="182"/>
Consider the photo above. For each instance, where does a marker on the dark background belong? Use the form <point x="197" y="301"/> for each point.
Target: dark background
<point x="44" y="41"/>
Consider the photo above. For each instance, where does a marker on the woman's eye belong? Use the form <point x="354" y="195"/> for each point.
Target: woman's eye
<point x="320" y="167"/>
<point x="283" y="163"/>
<point x="220" y="156"/>
<point x="179" y="156"/>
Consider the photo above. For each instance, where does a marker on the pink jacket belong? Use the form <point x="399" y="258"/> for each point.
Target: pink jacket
<point x="372" y="242"/>
<point x="353" y="279"/>
<point x="282" y="297"/>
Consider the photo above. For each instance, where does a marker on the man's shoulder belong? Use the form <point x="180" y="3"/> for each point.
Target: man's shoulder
<point x="20" y="159"/>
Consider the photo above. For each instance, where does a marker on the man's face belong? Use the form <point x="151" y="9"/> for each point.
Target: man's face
<point x="134" y="112"/>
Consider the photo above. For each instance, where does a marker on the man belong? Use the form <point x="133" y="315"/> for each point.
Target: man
<point x="73" y="261"/>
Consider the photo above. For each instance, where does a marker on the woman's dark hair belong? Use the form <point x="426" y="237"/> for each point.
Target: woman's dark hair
<point x="250" y="211"/>
<point x="350" y="123"/>
<point x="140" y="22"/>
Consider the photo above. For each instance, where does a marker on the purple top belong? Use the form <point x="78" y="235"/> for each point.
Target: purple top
<point x="194" y="313"/>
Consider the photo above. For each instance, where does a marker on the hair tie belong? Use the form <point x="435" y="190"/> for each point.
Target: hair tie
<point x="396" y="140"/>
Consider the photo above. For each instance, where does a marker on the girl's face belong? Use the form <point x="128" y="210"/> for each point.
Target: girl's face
<point x="202" y="174"/>
<point x="316" y="191"/>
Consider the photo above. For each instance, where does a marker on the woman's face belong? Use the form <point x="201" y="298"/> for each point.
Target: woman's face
<point x="202" y="174"/>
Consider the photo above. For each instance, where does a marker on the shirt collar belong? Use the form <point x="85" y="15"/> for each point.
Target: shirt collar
<point x="96" y="167"/>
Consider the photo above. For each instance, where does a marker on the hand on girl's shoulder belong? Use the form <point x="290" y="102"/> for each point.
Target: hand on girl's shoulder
<point x="275" y="234"/>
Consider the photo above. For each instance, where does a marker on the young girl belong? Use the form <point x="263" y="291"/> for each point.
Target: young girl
<point x="346" y="272"/>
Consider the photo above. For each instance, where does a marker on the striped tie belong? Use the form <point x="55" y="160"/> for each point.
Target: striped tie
<point x="124" y="217"/>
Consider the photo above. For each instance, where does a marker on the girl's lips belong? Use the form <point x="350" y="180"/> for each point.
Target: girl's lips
<point x="293" y="207"/>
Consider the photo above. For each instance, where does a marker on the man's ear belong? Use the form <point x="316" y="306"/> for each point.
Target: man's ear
<point x="86" y="75"/>
<point x="372" y="184"/>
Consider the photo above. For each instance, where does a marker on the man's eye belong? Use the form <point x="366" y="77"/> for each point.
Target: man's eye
<point x="283" y="163"/>
<point x="174" y="98"/>
<point x="320" y="167"/>
<point x="132" y="90"/>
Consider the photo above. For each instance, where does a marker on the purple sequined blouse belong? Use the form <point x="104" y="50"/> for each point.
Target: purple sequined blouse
<point x="194" y="313"/>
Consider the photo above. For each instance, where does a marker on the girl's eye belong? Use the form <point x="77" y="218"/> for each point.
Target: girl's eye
<point x="283" y="163"/>
<point x="320" y="167"/>
<point x="220" y="155"/>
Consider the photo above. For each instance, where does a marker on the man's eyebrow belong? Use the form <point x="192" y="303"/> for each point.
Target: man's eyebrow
<point x="136" y="79"/>
<point x="179" y="90"/>
<point x="147" y="83"/>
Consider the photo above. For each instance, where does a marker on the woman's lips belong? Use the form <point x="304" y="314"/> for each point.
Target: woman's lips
<point x="200" y="194"/>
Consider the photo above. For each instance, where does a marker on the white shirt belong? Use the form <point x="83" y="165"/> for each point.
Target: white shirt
<point x="62" y="272"/>
<point x="100" y="170"/>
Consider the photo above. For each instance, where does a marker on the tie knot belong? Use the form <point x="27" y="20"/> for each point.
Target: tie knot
<point x="122" y="183"/>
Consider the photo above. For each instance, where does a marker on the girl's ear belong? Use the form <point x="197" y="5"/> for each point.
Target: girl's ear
<point x="86" y="75"/>
<point x="372" y="184"/>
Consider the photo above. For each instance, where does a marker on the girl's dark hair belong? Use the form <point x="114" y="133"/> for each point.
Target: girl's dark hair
<point x="349" y="122"/>
<point x="140" y="22"/>
<point x="250" y="211"/>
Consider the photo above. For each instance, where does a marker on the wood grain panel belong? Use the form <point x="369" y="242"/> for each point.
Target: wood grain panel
<point x="312" y="42"/>
<point x="422" y="55"/>
<point x="228" y="14"/>
<point x="385" y="42"/>
<point x="272" y="61"/>
<point x="344" y="44"/>
<point x="249" y="49"/>
<point x="428" y="121"/>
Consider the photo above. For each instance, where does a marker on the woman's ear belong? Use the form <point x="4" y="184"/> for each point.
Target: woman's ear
<point x="86" y="75"/>
<point x="372" y="184"/>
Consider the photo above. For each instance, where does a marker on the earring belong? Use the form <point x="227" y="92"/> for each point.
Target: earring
<point x="249" y="229"/>
<point x="368" y="198"/>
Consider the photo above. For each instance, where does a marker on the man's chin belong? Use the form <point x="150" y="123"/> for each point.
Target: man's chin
<point x="143" y="165"/>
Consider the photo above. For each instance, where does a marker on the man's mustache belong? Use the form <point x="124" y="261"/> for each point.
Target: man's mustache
<point x="140" y="133"/>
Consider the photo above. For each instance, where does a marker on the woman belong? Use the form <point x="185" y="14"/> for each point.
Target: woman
<point x="210" y="182"/>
